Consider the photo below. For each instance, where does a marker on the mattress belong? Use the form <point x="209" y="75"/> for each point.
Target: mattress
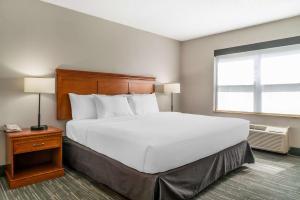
<point x="177" y="184"/>
<point x="158" y="142"/>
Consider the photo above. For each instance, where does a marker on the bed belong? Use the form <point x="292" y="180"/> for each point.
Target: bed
<point x="157" y="156"/>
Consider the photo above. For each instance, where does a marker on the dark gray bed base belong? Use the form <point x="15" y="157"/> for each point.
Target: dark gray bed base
<point x="181" y="183"/>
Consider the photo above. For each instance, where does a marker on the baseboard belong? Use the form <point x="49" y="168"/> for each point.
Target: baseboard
<point x="294" y="151"/>
<point x="2" y="167"/>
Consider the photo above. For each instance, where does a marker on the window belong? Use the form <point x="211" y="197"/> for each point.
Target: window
<point x="259" y="81"/>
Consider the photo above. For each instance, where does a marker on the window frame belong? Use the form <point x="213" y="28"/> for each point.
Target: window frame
<point x="257" y="87"/>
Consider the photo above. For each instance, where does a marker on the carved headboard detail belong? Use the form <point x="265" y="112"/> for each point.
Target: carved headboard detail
<point x="84" y="82"/>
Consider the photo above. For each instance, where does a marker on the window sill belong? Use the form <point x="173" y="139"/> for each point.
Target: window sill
<point x="257" y="114"/>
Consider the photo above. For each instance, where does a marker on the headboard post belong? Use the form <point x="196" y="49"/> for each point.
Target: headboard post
<point x="84" y="82"/>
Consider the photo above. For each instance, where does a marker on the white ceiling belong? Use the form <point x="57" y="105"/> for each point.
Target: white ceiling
<point x="185" y="19"/>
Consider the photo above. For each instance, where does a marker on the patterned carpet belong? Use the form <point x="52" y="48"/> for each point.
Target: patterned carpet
<point x="272" y="177"/>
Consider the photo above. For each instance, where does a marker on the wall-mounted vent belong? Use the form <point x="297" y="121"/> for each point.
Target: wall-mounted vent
<point x="269" y="138"/>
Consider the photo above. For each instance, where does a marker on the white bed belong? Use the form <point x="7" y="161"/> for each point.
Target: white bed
<point x="158" y="142"/>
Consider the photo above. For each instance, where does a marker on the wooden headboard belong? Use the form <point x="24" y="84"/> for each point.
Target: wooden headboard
<point x="83" y="82"/>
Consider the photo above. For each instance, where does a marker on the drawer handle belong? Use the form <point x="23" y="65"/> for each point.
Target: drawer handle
<point x="38" y="144"/>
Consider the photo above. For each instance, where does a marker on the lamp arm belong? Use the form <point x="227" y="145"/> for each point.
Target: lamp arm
<point x="172" y="106"/>
<point x="39" y="111"/>
<point x="39" y="127"/>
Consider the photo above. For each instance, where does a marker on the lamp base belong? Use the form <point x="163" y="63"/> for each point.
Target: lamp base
<point x="39" y="128"/>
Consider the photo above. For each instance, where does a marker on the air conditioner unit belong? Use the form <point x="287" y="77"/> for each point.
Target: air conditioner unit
<point x="269" y="138"/>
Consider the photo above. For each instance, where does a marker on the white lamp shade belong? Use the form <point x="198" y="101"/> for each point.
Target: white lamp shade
<point x="172" y="88"/>
<point x="39" y="85"/>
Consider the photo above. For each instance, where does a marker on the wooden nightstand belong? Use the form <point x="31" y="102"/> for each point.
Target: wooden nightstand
<point x="33" y="156"/>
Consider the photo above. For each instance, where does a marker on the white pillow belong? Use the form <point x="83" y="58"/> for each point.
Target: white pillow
<point x="143" y="103"/>
<point x="112" y="106"/>
<point x="83" y="106"/>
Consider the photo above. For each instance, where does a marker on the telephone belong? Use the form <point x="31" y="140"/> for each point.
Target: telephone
<point x="9" y="128"/>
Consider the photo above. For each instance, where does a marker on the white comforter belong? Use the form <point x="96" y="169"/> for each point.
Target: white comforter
<point x="158" y="142"/>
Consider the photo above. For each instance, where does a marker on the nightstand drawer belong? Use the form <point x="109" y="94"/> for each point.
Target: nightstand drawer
<point x="36" y="144"/>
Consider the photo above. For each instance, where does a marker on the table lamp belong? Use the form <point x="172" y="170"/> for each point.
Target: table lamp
<point x="171" y="88"/>
<point x="39" y="86"/>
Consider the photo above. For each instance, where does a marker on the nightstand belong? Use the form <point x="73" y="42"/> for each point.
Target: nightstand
<point x="33" y="156"/>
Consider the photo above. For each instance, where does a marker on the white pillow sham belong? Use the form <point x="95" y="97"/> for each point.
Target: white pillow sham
<point x="83" y="106"/>
<point x="143" y="103"/>
<point x="112" y="106"/>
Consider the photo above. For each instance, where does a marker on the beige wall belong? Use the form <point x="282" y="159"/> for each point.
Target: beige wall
<point x="197" y="69"/>
<point x="36" y="37"/>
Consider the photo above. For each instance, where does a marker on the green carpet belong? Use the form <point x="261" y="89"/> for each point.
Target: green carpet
<point x="272" y="177"/>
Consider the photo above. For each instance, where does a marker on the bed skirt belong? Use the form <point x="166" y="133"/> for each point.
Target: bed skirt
<point x="180" y="183"/>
